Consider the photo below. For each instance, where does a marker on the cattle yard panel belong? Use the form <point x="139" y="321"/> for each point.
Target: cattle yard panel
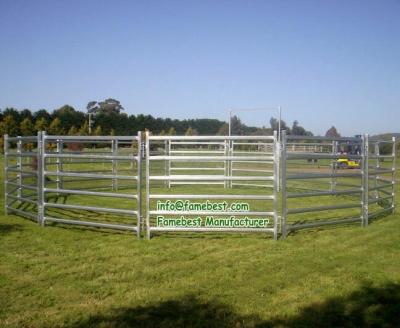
<point x="347" y="165"/>
<point x="72" y="181"/>
<point x="381" y="177"/>
<point x="210" y="184"/>
<point x="21" y="176"/>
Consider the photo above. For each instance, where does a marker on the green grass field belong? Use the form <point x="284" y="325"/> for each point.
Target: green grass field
<point x="343" y="276"/>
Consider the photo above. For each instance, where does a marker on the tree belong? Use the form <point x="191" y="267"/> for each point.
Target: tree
<point x="109" y="105"/>
<point x="298" y="130"/>
<point x="191" y="132"/>
<point x="332" y="132"/>
<point x="112" y="132"/>
<point x="69" y="116"/>
<point x="274" y="123"/>
<point x="55" y="127"/>
<point x="84" y="130"/>
<point x="223" y="130"/>
<point x="237" y="128"/>
<point x="41" y="124"/>
<point x="171" y="131"/>
<point x="9" y="126"/>
<point x="98" y="131"/>
<point x="27" y="128"/>
<point x="42" y="113"/>
<point x="73" y="131"/>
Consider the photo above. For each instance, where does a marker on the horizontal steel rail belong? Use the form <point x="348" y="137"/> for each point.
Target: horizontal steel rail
<point x="88" y="175"/>
<point x="389" y="185"/>
<point x="293" y="137"/>
<point x="322" y="223"/>
<point x="379" y="212"/>
<point x="22" y="139"/>
<point x="321" y="208"/>
<point x="195" y="183"/>
<point x="320" y="156"/>
<point x="196" y="168"/>
<point x="212" y="177"/>
<point x="196" y="151"/>
<point x="321" y="175"/>
<point x="103" y="157"/>
<point x="91" y="208"/>
<point x="377" y="200"/>
<point x="22" y="199"/>
<point x="199" y="196"/>
<point x="202" y="229"/>
<point x="90" y="193"/>
<point x="229" y="213"/>
<point x="91" y="138"/>
<point x="195" y="143"/>
<point x="212" y="138"/>
<point x="26" y="154"/>
<point x="21" y="212"/>
<point x="92" y="224"/>
<point x="324" y="193"/>
<point x="25" y="186"/>
<point x="210" y="158"/>
<point x="252" y="185"/>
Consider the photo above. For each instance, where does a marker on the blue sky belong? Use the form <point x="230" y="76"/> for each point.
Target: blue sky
<point x="324" y="62"/>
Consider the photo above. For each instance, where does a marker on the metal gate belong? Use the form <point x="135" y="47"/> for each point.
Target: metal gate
<point x="76" y="180"/>
<point x="212" y="182"/>
<point x="338" y="172"/>
<point x="21" y="176"/>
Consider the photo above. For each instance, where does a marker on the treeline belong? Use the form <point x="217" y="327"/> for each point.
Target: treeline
<point x="67" y="120"/>
<point x="107" y="118"/>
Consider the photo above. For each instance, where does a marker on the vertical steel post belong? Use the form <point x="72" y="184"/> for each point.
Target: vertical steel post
<point x="19" y="165"/>
<point x="168" y="162"/>
<point x="393" y="175"/>
<point x="278" y="158"/>
<point x="283" y="184"/>
<point x="139" y="183"/>
<point x="377" y="167"/>
<point x="226" y="165"/>
<point x="5" y="174"/>
<point x="365" y="187"/>
<point x="59" y="163"/>
<point x="114" y="150"/>
<point x="147" y="148"/>
<point x="276" y="177"/>
<point x="41" y="177"/>
<point x="231" y="147"/>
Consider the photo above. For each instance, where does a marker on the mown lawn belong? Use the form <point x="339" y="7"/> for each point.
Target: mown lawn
<point x="344" y="276"/>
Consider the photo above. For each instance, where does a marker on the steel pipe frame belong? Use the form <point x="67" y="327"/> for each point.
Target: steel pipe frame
<point x="183" y="179"/>
<point x="114" y="158"/>
<point x="334" y="155"/>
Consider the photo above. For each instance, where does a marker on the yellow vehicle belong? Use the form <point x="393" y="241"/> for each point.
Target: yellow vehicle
<point x="344" y="163"/>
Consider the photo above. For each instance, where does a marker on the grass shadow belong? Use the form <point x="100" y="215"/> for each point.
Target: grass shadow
<point x="186" y="312"/>
<point x="367" y="307"/>
<point x="7" y="228"/>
